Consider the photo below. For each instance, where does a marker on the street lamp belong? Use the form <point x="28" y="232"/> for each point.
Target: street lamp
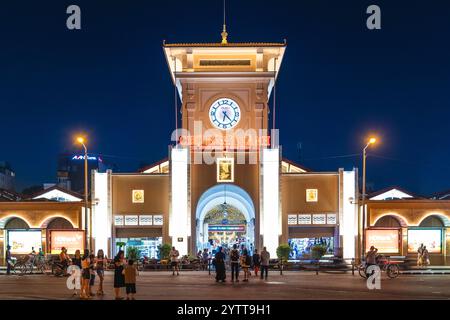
<point x="82" y="141"/>
<point x="369" y="143"/>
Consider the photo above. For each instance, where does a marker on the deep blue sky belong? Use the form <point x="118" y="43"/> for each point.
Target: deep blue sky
<point x="339" y="82"/>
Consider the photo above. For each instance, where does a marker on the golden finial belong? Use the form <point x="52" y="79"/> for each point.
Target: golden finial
<point x="224" y="33"/>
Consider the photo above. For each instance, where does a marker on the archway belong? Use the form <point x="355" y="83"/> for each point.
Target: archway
<point x="232" y="211"/>
<point x="388" y="222"/>
<point x="58" y="223"/>
<point x="16" y="223"/>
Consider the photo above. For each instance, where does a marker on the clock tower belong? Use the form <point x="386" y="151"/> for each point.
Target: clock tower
<point x="224" y="88"/>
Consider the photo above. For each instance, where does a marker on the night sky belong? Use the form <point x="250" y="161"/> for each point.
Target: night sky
<point x="339" y="82"/>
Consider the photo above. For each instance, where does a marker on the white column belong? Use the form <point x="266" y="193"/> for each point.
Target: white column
<point x="349" y="226"/>
<point x="101" y="219"/>
<point x="271" y="226"/>
<point x="179" y="224"/>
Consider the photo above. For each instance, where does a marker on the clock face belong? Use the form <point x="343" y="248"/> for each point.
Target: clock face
<point x="225" y="114"/>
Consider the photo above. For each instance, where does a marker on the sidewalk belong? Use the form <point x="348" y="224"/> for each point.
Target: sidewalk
<point x="438" y="270"/>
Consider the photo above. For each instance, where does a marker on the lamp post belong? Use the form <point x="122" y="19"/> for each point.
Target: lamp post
<point x="363" y="198"/>
<point x="82" y="141"/>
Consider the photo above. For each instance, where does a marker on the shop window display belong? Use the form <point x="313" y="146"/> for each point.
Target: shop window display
<point x="148" y="247"/>
<point x="301" y="247"/>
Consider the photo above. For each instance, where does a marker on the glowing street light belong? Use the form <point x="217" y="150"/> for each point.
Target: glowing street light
<point x="82" y="141"/>
<point x="371" y="141"/>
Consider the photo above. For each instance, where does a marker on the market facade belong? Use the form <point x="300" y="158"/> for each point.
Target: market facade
<point x="225" y="180"/>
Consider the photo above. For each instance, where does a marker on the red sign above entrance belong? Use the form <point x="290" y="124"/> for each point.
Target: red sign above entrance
<point x="225" y="142"/>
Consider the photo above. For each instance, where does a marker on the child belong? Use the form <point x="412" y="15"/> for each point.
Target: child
<point x="130" y="279"/>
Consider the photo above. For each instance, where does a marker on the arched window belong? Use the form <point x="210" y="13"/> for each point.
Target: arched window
<point x="59" y="223"/>
<point x="16" y="223"/>
<point x="388" y="222"/>
<point x="432" y="221"/>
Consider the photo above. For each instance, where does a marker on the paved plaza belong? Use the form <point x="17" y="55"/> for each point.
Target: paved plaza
<point x="201" y="286"/>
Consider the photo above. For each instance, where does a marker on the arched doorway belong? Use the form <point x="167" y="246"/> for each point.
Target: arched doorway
<point x="16" y="223"/>
<point x="225" y="215"/>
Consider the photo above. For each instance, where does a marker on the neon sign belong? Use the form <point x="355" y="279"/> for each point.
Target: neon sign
<point x="79" y="157"/>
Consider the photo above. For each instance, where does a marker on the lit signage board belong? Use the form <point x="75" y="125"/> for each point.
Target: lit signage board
<point x="432" y="239"/>
<point x="226" y="228"/>
<point x="225" y="170"/>
<point x="71" y="240"/>
<point x="386" y="241"/>
<point x="312" y="195"/>
<point x="81" y="157"/>
<point x="138" y="196"/>
<point x="22" y="242"/>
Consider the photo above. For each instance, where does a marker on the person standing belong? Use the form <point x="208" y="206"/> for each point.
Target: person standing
<point x="256" y="262"/>
<point x="8" y="260"/>
<point x="371" y="258"/>
<point x="245" y="264"/>
<point x="174" y="254"/>
<point x="130" y="279"/>
<point x="425" y="257"/>
<point x="85" y="275"/>
<point x="420" y="255"/>
<point x="76" y="261"/>
<point x="265" y="260"/>
<point x="205" y="257"/>
<point x="100" y="264"/>
<point x="234" y="262"/>
<point x="119" y="278"/>
<point x="219" y="262"/>
<point x="92" y="273"/>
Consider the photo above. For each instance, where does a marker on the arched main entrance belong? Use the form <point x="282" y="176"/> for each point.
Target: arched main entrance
<point x="225" y="215"/>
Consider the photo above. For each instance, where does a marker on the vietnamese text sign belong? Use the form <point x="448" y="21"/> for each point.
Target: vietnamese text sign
<point x="71" y="240"/>
<point x="386" y="241"/>
<point x="23" y="241"/>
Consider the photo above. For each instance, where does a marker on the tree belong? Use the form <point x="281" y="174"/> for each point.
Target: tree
<point x="283" y="252"/>
<point x="164" y="251"/>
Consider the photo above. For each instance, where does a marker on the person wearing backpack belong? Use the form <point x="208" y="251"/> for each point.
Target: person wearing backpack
<point x="234" y="261"/>
<point x="246" y="261"/>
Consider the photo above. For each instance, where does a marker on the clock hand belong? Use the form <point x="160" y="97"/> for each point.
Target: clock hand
<point x="226" y="115"/>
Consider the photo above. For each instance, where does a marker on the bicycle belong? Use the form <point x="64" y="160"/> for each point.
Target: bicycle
<point x="391" y="269"/>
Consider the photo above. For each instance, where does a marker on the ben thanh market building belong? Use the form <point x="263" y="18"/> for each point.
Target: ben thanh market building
<point x="225" y="180"/>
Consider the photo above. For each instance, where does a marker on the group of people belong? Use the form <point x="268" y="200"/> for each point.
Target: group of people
<point x="33" y="256"/>
<point x="92" y="265"/>
<point x="423" y="256"/>
<point x="241" y="259"/>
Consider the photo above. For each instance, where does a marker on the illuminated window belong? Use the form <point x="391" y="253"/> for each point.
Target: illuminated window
<point x="312" y="195"/>
<point x="304" y="219"/>
<point x="145" y="220"/>
<point x="331" y="218"/>
<point x="118" y="220"/>
<point x="138" y="196"/>
<point x="292" y="219"/>
<point x="319" y="219"/>
<point x="225" y="170"/>
<point x="131" y="220"/>
<point x="158" y="220"/>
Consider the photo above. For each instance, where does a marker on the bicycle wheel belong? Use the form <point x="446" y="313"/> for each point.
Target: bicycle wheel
<point x="362" y="271"/>
<point x="22" y="269"/>
<point x="392" y="271"/>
